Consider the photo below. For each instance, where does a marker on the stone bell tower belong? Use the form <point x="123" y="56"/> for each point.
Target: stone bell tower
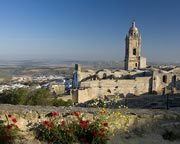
<point x="133" y="59"/>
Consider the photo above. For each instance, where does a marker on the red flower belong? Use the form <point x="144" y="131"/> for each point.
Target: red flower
<point x="9" y="127"/>
<point x="51" y="123"/>
<point x="49" y="127"/>
<point x="83" y="125"/>
<point x="103" y="130"/>
<point x="16" y="126"/>
<point x="95" y="133"/>
<point x="69" y="130"/>
<point x="76" y="114"/>
<point x="9" y="115"/>
<point x="81" y="121"/>
<point x="54" y="114"/>
<point x="45" y="123"/>
<point x="14" y="120"/>
<point x="88" y="121"/>
<point x="62" y="123"/>
<point x="6" y="138"/>
<point x="102" y="135"/>
<point x="106" y="124"/>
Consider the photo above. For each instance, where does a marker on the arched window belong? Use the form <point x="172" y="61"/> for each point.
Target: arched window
<point x="104" y="76"/>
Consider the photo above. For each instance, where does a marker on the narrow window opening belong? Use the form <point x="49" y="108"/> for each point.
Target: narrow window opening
<point x="174" y="80"/>
<point x="109" y="91"/>
<point x="134" y="51"/>
<point x="136" y="64"/>
<point x="165" y="79"/>
<point x="104" y="76"/>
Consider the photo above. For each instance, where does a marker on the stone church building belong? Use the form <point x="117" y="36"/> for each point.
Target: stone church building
<point x="137" y="79"/>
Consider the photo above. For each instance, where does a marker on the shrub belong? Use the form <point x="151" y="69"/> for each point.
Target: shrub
<point x="60" y="102"/>
<point x="16" y="96"/>
<point x="8" y="133"/>
<point x="76" y="130"/>
<point x="26" y="96"/>
<point x="41" y="97"/>
<point x="170" y="135"/>
<point x="115" y="112"/>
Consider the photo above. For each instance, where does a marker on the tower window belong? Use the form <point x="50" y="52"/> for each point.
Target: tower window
<point x="134" y="51"/>
<point x="136" y="64"/>
<point x="165" y="79"/>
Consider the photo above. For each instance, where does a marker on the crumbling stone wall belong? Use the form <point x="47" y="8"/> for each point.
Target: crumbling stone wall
<point x="137" y="86"/>
<point x="57" y="89"/>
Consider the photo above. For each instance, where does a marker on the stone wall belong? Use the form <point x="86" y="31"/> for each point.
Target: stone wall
<point x="163" y="80"/>
<point x="82" y="95"/>
<point x="145" y="125"/>
<point x="57" y="89"/>
<point x="137" y="86"/>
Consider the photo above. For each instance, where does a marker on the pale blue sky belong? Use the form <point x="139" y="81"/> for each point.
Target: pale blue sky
<point x="88" y="29"/>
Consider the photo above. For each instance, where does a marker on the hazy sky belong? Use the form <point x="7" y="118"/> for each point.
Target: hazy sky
<point x="88" y="29"/>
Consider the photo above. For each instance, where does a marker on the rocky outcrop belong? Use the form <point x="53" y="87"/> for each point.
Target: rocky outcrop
<point x="145" y="125"/>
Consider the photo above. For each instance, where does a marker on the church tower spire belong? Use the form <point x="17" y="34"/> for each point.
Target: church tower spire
<point x="133" y="59"/>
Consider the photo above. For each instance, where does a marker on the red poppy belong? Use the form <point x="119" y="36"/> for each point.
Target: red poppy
<point x="69" y="130"/>
<point x="102" y="135"/>
<point x="16" y="126"/>
<point x="9" y="127"/>
<point x="51" y="123"/>
<point x="76" y="114"/>
<point x="14" y="120"/>
<point x="49" y="127"/>
<point x="63" y="123"/>
<point x="6" y="138"/>
<point x="88" y="121"/>
<point x="45" y="123"/>
<point x="106" y="124"/>
<point x="103" y="130"/>
<point x="95" y="133"/>
<point x="9" y="115"/>
<point x="81" y="121"/>
<point x="83" y="125"/>
<point x="54" y="114"/>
